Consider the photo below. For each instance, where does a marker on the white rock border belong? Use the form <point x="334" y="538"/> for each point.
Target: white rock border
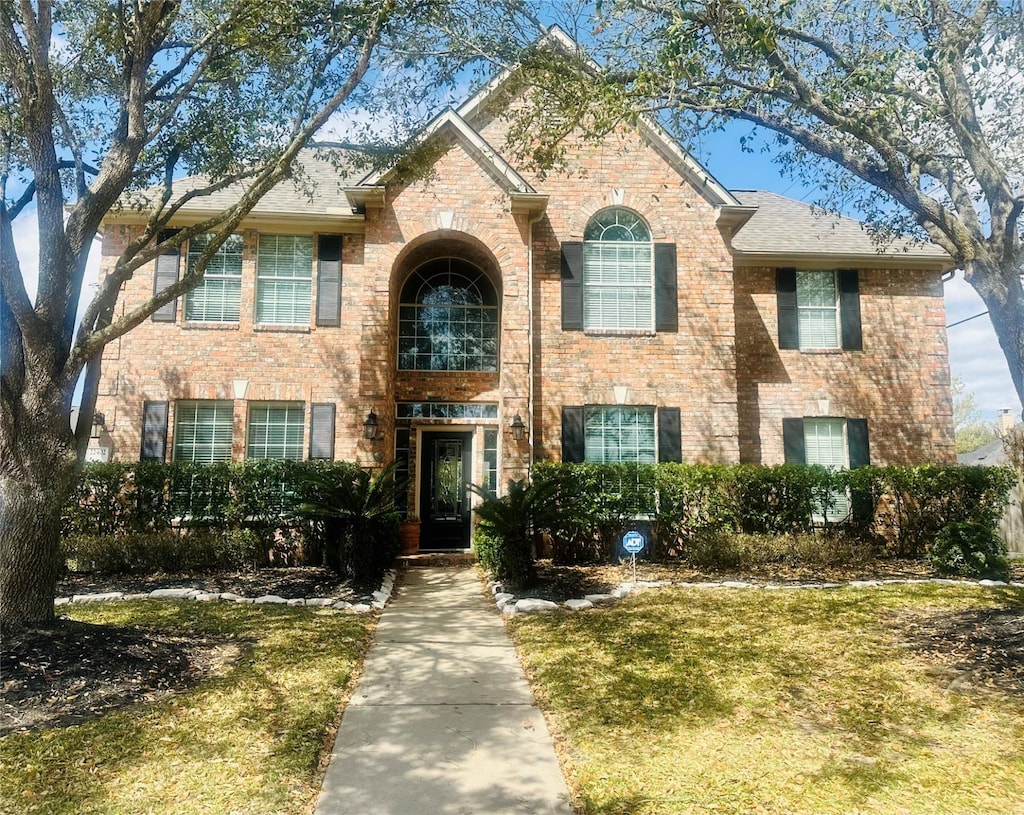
<point x="376" y="601"/>
<point x="508" y="605"/>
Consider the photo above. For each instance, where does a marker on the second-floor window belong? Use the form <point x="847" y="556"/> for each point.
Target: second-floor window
<point x="618" y="272"/>
<point x="284" y="280"/>
<point x="217" y="298"/>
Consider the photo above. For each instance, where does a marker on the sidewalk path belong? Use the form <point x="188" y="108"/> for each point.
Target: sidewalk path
<point x="442" y="721"/>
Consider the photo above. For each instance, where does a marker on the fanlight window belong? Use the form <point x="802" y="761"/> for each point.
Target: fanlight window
<point x="448" y="319"/>
<point x="618" y="272"/>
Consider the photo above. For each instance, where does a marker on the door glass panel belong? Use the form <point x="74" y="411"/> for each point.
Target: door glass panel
<point x="449" y="491"/>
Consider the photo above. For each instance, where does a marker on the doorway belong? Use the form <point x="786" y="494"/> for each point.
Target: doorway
<point x="445" y="508"/>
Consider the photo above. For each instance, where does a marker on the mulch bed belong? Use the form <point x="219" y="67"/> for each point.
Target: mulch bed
<point x="77" y="671"/>
<point x="296" y="581"/>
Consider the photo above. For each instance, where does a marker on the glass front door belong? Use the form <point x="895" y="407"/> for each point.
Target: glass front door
<point x="444" y="495"/>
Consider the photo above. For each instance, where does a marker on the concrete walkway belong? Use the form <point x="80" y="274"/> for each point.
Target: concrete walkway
<point x="442" y="721"/>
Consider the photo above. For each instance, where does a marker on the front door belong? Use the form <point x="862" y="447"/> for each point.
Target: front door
<point x="444" y="495"/>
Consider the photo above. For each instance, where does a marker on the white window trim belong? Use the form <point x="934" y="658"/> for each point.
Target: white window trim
<point x="650" y="286"/>
<point x="177" y="440"/>
<point x="838" y="314"/>
<point x="261" y="279"/>
<point x="654" y="427"/>
<point x="817" y="516"/>
<point x="208" y="276"/>
<point x="269" y="405"/>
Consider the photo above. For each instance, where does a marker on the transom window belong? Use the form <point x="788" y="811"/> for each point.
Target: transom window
<point x="284" y="279"/>
<point x="203" y="431"/>
<point x="275" y="430"/>
<point x="216" y="299"/>
<point x="825" y="445"/>
<point x="619" y="433"/>
<point x="618" y="272"/>
<point x="817" y="306"/>
<point x="448" y="319"/>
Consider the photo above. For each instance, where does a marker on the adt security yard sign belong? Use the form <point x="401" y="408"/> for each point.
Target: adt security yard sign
<point x="633" y="542"/>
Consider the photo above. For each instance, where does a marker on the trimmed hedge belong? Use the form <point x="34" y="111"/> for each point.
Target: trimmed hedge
<point x="146" y="517"/>
<point x="895" y="510"/>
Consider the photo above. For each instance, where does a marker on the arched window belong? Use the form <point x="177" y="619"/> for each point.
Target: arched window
<point x="448" y="319"/>
<point x="618" y="272"/>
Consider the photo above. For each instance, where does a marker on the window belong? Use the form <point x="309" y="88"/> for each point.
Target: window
<point x="448" y="319"/>
<point x="284" y="280"/>
<point x="203" y="431"/>
<point x="819" y="309"/>
<point x="275" y="430"/>
<point x="618" y="272"/>
<point x="825" y="445"/>
<point x="216" y="299"/>
<point x="817" y="306"/>
<point x="490" y="479"/>
<point x="619" y="433"/>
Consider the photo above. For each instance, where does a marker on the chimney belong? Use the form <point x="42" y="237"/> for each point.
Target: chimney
<point x="1005" y="422"/>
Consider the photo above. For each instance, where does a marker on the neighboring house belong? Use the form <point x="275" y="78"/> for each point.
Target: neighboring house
<point x="627" y="309"/>
<point x="993" y="454"/>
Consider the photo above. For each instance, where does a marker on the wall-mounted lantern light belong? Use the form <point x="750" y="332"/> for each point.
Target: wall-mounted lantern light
<point x="99" y="424"/>
<point x="518" y="428"/>
<point x="370" y="427"/>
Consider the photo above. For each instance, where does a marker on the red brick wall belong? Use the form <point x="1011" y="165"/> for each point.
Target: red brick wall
<point x="899" y="382"/>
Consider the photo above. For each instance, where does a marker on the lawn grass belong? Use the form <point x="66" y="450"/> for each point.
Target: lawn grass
<point x="247" y="741"/>
<point x="699" y="701"/>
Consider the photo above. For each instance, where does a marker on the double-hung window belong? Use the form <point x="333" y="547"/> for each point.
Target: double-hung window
<point x="817" y="306"/>
<point x="203" y="431"/>
<point x="284" y="280"/>
<point x="618" y="272"/>
<point x="825" y="445"/>
<point x="217" y="298"/>
<point x="619" y="433"/>
<point x="275" y="430"/>
<point x="819" y="310"/>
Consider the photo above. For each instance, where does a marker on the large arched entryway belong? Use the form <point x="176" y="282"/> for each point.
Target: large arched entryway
<point x="446" y="386"/>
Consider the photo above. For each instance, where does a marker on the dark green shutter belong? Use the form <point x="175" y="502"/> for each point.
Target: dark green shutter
<point x="666" y="291"/>
<point x="785" y="292"/>
<point x="154" y="431"/>
<point x="167" y="266"/>
<point x="572" y="286"/>
<point x="793" y="441"/>
<point x="321" y="430"/>
<point x="573" y="443"/>
<point x="328" y="281"/>
<point x="857" y="437"/>
<point x="849" y="309"/>
<point x="670" y="443"/>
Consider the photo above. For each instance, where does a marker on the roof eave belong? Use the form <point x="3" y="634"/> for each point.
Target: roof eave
<point x="813" y="260"/>
<point x="342" y="219"/>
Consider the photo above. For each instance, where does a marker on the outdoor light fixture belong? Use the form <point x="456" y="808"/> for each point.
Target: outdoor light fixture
<point x="99" y="422"/>
<point x="370" y="427"/>
<point x="518" y="428"/>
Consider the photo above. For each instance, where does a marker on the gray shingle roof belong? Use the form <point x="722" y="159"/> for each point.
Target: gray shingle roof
<point x="319" y="176"/>
<point x="783" y="226"/>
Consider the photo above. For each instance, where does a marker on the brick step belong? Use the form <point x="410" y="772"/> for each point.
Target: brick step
<point x="423" y="559"/>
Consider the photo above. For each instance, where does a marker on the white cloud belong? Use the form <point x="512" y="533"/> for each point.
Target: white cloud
<point x="974" y="352"/>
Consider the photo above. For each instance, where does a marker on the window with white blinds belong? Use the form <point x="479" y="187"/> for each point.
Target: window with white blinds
<point x="619" y="433"/>
<point x="825" y="445"/>
<point x="275" y="430"/>
<point x="618" y="272"/>
<point x="203" y="431"/>
<point x="284" y="279"/>
<point x="817" y="306"/>
<point x="216" y="299"/>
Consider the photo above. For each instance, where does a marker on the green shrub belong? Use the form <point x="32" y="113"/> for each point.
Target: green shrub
<point x="971" y="550"/>
<point x="356" y="520"/>
<point x="193" y="550"/>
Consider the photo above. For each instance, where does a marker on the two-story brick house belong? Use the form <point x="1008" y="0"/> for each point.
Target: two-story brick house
<point x="480" y="318"/>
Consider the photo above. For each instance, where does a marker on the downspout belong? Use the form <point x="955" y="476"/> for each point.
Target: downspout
<point x="529" y="303"/>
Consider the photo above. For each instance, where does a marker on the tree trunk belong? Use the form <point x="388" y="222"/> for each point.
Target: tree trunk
<point x="36" y="479"/>
<point x="1004" y="298"/>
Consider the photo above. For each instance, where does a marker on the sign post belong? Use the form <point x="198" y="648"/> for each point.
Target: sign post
<point x="633" y="542"/>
